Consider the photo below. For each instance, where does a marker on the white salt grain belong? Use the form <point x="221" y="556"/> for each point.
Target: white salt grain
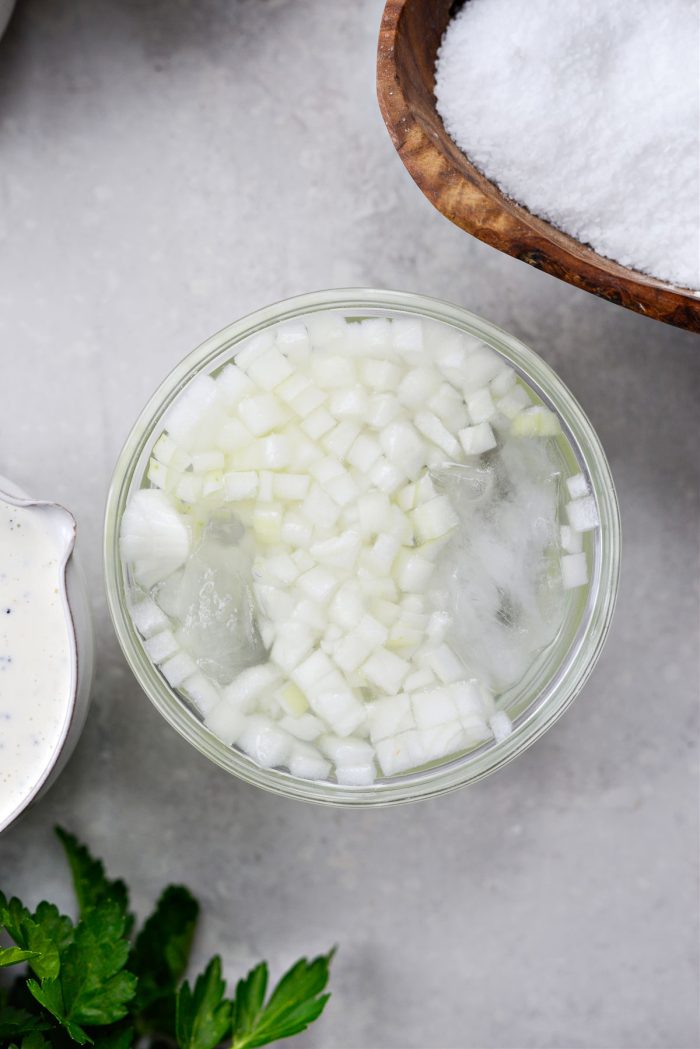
<point x="588" y="112"/>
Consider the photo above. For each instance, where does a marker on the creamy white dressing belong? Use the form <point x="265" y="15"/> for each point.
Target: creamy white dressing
<point x="35" y="652"/>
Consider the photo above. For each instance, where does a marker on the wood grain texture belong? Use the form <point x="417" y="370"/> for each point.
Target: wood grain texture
<point x="409" y="37"/>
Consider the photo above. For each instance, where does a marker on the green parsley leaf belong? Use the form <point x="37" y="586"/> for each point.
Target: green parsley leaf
<point x="45" y="933"/>
<point x="296" y="1002"/>
<point x="203" y="1016"/>
<point x="92" y="986"/>
<point x="35" y="1040"/>
<point x="89" y="984"/>
<point x="14" y="955"/>
<point x="92" y="886"/>
<point x="95" y="989"/>
<point x="249" y="1000"/>
<point x="162" y="949"/>
<point x="15" y="1022"/>
<point x="48" y="993"/>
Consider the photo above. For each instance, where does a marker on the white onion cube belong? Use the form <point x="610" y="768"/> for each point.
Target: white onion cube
<point x="513" y="402"/>
<point x="467" y="698"/>
<point x="253" y="347"/>
<point x="243" y="692"/>
<point x="583" y="514"/>
<point x="340" y="439"/>
<point x="318" y="423"/>
<point x="291" y="334"/>
<point x="571" y="540"/>
<point x="189" y="488"/>
<point x="407" y="334"/>
<point x="574" y="571"/>
<point x="433" y="706"/>
<point x="501" y="725"/>
<point x="319" y="509"/>
<point x="333" y="371"/>
<point x="441" y="740"/>
<point x="308" y="401"/>
<point x="226" y="722"/>
<point x="389" y="716"/>
<point x="292" y="699"/>
<point x="386" y="476"/>
<point x="417" y="386"/>
<point x="347" y="607"/>
<point x="318" y="584"/>
<point x="233" y="385"/>
<point x="419" y="679"/>
<point x="480" y="405"/>
<point x="356" y="775"/>
<point x="364" y="453"/>
<point x="312" y="614"/>
<point x="351" y="651"/>
<point x="336" y="703"/>
<point x="263" y="741"/>
<point x="577" y="486"/>
<point x="404" y="447"/>
<point x="292" y="386"/>
<point x="400" y="753"/>
<point x="305" y="762"/>
<point x="296" y="530"/>
<point x="270" y="369"/>
<point x="346" y="751"/>
<point x="445" y="664"/>
<point x="340" y="551"/>
<point x="536" y="421"/>
<point x="342" y="489"/>
<point x="293" y="642"/>
<point x="262" y="412"/>
<point x="431" y="427"/>
<point x="306" y="727"/>
<point x="383" y="553"/>
<point x="386" y="670"/>
<point x="480" y="368"/>
<point x="233" y="435"/>
<point x="434" y="518"/>
<point x="380" y="375"/>
<point x="148" y="618"/>
<point x="176" y="669"/>
<point x="349" y="403"/>
<point x="323" y="470"/>
<point x="373" y="334"/>
<point x="314" y="668"/>
<point x="290" y="487"/>
<point x="413" y="572"/>
<point x="189" y="409"/>
<point x="240" y="485"/>
<point x="267" y="523"/>
<point x="476" y="440"/>
<point x="503" y="382"/>
<point x="449" y="407"/>
<point x="383" y="409"/>
<point x="161" y="646"/>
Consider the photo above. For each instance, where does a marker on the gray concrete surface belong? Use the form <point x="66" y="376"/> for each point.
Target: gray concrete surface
<point x="166" y="167"/>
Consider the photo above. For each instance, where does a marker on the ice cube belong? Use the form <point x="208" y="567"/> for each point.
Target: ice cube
<point x="215" y="607"/>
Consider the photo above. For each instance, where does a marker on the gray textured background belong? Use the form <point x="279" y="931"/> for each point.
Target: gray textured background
<point x="166" y="167"/>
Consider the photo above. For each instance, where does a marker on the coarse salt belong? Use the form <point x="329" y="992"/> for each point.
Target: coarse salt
<point x="588" y="113"/>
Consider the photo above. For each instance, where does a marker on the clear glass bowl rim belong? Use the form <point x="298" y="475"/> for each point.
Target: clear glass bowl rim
<point x="563" y="686"/>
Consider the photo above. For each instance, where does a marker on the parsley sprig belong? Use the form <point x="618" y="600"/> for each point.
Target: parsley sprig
<point x="93" y="982"/>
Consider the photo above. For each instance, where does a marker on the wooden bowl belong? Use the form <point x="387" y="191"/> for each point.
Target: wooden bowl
<point x="409" y="37"/>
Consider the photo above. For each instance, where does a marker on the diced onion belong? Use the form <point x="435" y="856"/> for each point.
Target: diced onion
<point x="344" y="460"/>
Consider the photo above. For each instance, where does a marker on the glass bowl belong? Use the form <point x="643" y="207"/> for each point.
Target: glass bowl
<point x="554" y="680"/>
